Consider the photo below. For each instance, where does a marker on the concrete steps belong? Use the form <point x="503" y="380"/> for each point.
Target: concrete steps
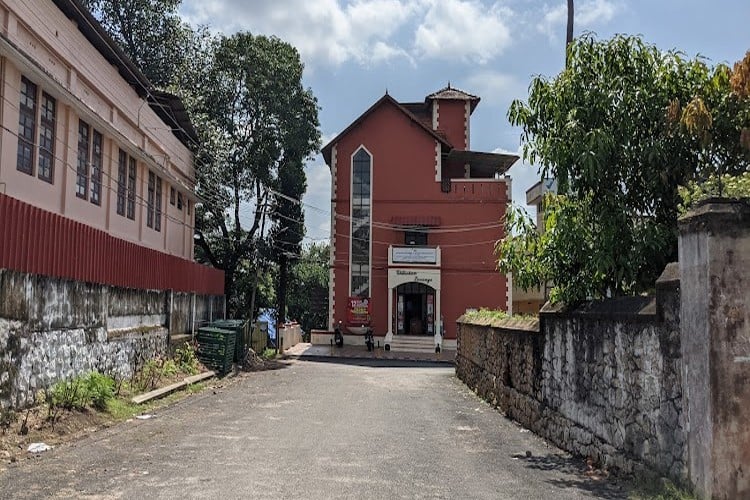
<point x="413" y="343"/>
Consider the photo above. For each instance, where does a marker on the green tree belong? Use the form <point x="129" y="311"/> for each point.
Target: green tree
<point x="620" y="128"/>
<point x="308" y="288"/>
<point x="150" y="32"/>
<point x="263" y="124"/>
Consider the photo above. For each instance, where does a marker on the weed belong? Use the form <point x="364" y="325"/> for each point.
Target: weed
<point x="7" y="418"/>
<point x="268" y="353"/>
<point x="100" y="389"/>
<point x="658" y="489"/>
<point x="149" y="376"/>
<point x="169" y="368"/>
<point x="186" y="359"/>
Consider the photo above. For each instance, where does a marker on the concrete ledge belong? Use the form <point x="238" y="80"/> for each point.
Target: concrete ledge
<point x="160" y="393"/>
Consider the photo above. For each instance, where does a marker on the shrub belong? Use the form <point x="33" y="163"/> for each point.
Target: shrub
<point x="100" y="389"/>
<point x="186" y="359"/>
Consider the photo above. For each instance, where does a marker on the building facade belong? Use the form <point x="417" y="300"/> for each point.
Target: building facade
<point x="85" y="136"/>
<point x="415" y="217"/>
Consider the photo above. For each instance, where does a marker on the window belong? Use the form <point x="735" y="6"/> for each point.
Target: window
<point x="157" y="220"/>
<point x="131" y="188"/>
<point x="188" y="207"/>
<point x="126" y="177"/>
<point x="82" y="169"/>
<point x="360" y="224"/>
<point x="46" y="164"/>
<point x="26" y="127"/>
<point x="151" y="194"/>
<point x="96" y="169"/>
<point x="415" y="238"/>
<point x="89" y="165"/>
<point x="179" y="201"/>
<point x="122" y="189"/>
<point x="153" y="206"/>
<point x="171" y="196"/>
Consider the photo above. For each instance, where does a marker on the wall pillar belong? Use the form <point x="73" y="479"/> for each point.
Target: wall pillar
<point x="714" y="260"/>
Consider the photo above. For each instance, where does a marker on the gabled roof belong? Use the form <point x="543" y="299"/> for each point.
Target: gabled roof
<point x="450" y="93"/>
<point x="169" y="107"/>
<point x="386" y="99"/>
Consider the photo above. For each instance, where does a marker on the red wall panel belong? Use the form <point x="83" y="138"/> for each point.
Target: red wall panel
<point x="40" y="242"/>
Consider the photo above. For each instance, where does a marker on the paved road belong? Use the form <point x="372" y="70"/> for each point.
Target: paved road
<point x="314" y="430"/>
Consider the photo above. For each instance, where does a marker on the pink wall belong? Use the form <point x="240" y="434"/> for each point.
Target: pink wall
<point x="86" y="86"/>
<point x="452" y="121"/>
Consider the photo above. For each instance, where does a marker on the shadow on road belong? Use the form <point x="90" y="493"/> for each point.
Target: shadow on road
<point x="376" y="362"/>
<point x="587" y="480"/>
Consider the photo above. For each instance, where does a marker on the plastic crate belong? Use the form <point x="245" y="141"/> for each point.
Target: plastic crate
<point x="216" y="348"/>
<point x="241" y="329"/>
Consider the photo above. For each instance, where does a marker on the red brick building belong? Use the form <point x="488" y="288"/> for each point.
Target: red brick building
<point x="415" y="215"/>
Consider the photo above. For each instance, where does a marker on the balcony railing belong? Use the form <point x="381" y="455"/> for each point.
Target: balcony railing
<point x="414" y="255"/>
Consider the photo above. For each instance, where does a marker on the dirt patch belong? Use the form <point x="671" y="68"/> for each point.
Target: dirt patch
<point x="33" y="426"/>
<point x="255" y="363"/>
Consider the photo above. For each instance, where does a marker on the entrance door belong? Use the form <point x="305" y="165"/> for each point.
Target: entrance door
<point x="415" y="311"/>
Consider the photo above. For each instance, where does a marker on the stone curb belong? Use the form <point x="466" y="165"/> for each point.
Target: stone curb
<point x="160" y="393"/>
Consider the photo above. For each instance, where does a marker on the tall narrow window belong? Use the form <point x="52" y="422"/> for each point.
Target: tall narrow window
<point x="96" y="169"/>
<point x="46" y="170"/>
<point x="26" y="127"/>
<point x="150" y="203"/>
<point x="131" y="188"/>
<point x="157" y="212"/>
<point x="122" y="189"/>
<point x="82" y="169"/>
<point x="360" y="224"/>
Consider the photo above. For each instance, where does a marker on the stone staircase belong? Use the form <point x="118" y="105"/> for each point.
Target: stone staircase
<point x="413" y="343"/>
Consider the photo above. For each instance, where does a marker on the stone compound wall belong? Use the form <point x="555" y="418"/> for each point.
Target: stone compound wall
<point x="602" y="381"/>
<point x="53" y="329"/>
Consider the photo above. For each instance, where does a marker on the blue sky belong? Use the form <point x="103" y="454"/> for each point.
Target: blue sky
<point x="354" y="50"/>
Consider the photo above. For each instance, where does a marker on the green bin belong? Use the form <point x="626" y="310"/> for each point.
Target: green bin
<point x="216" y="348"/>
<point x="241" y="328"/>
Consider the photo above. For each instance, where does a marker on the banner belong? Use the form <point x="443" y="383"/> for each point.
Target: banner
<point x="358" y="311"/>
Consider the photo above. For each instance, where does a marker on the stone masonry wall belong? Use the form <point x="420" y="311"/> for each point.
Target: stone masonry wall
<point x="54" y="329"/>
<point x="602" y="381"/>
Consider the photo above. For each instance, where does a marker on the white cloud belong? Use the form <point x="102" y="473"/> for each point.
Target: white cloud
<point x="324" y="31"/>
<point x="495" y="87"/>
<point x="463" y="29"/>
<point x="318" y="195"/>
<point x="588" y="14"/>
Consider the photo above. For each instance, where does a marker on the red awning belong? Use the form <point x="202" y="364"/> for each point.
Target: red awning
<point x="416" y="220"/>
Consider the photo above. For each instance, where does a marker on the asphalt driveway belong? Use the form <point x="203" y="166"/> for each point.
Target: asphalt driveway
<point x="314" y="430"/>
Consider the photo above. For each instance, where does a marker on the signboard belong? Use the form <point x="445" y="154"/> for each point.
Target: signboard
<point x="414" y="255"/>
<point x="358" y="311"/>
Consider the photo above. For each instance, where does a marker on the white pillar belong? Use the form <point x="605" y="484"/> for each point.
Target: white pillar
<point x="438" y="320"/>
<point x="389" y="333"/>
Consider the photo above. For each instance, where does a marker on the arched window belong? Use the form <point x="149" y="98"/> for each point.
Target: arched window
<point x="360" y="224"/>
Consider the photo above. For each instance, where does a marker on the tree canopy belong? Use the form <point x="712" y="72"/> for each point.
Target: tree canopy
<point x="621" y="127"/>
<point x="262" y="124"/>
<point x="150" y="32"/>
<point x="257" y="125"/>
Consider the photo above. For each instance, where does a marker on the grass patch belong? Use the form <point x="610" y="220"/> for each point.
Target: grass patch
<point x="268" y="353"/>
<point x="658" y="489"/>
<point x="485" y="315"/>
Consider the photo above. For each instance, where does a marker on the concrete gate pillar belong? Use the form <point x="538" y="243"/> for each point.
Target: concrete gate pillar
<point x="714" y="260"/>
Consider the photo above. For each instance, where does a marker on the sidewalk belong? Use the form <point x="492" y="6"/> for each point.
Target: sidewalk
<point x="305" y="350"/>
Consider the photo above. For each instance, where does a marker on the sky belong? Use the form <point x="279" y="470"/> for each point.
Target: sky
<point x="356" y="50"/>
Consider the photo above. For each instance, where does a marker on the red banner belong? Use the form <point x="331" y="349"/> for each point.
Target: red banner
<point x="358" y="311"/>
